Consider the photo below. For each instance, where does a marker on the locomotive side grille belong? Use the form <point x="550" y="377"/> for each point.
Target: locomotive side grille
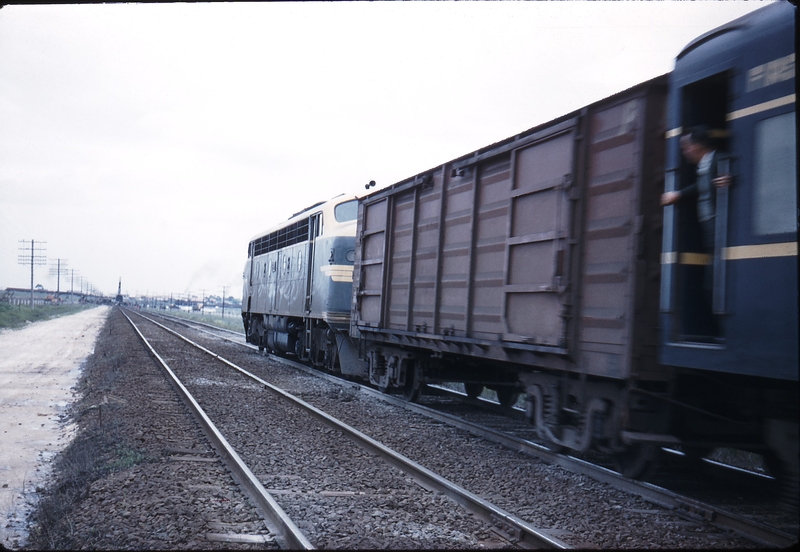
<point x="284" y="237"/>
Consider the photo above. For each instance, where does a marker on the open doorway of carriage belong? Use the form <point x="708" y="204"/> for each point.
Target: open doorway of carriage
<point x="704" y="102"/>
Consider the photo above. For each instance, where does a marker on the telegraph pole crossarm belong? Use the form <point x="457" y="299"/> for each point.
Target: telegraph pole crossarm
<point x="57" y="270"/>
<point x="30" y="257"/>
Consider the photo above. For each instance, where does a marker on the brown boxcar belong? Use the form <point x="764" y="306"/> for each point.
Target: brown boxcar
<point x="531" y="265"/>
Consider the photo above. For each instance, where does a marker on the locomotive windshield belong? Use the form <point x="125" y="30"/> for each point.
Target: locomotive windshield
<point x="346" y="211"/>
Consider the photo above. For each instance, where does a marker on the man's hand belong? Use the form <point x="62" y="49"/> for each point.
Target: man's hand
<point x="722" y="181"/>
<point x="669" y="198"/>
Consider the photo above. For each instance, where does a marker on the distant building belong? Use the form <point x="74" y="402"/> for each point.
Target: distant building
<point x="41" y="296"/>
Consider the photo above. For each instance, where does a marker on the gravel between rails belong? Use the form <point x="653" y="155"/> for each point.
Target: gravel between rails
<point x="573" y="508"/>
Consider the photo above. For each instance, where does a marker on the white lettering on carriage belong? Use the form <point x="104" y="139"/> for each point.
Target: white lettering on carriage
<point x="775" y="71"/>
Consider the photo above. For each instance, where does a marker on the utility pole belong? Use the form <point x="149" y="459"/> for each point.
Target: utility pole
<point x="31" y="258"/>
<point x="58" y="270"/>
<point x="203" y="304"/>
<point x="223" y="302"/>
<point x="71" y="285"/>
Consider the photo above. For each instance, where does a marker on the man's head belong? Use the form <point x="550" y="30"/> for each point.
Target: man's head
<point x="695" y="143"/>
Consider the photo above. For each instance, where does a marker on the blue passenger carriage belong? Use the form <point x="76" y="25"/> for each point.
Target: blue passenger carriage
<point x="736" y="349"/>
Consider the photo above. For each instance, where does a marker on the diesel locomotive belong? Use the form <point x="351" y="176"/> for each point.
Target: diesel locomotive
<point x="298" y="282"/>
<point x="543" y="266"/>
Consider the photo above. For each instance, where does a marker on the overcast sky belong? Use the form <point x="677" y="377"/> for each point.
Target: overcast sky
<point x="152" y="141"/>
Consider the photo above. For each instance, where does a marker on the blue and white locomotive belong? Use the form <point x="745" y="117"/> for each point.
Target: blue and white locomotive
<point x="298" y="283"/>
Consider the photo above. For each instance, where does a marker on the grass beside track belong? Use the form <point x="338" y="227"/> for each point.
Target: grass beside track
<point x="16" y="316"/>
<point x="228" y="323"/>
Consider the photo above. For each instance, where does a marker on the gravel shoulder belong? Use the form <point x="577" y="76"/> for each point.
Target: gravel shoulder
<point x="139" y="473"/>
<point x="39" y="366"/>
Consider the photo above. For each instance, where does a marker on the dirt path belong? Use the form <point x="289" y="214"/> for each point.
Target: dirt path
<point x="39" y="365"/>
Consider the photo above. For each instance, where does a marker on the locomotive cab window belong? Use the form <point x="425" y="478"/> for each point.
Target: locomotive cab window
<point x="346" y="211"/>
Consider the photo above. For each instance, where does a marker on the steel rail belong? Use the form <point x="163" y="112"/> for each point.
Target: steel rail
<point x="286" y="532"/>
<point x="692" y="509"/>
<point x="514" y="528"/>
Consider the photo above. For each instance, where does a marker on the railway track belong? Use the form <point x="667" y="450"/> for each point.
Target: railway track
<point x="695" y="516"/>
<point x="329" y="479"/>
<point x="728" y="497"/>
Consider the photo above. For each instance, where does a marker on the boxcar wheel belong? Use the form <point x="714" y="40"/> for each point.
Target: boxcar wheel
<point x="555" y="448"/>
<point x="473" y="390"/>
<point x="694" y="455"/>
<point x="637" y="461"/>
<point x="411" y="390"/>
<point x="506" y="396"/>
<point x="788" y="481"/>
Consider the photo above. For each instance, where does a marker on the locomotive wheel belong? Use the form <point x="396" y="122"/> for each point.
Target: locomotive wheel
<point x="473" y="390"/>
<point x="637" y="461"/>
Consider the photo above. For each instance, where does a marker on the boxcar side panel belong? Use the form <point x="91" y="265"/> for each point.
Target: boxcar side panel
<point x="422" y="306"/>
<point x="370" y="251"/>
<point x="455" y="256"/>
<point x="489" y="249"/>
<point x="614" y="263"/>
<point x="537" y="241"/>
<point x="401" y="253"/>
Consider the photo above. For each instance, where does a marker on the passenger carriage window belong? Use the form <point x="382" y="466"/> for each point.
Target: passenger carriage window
<point x="775" y="176"/>
<point x="346" y="211"/>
